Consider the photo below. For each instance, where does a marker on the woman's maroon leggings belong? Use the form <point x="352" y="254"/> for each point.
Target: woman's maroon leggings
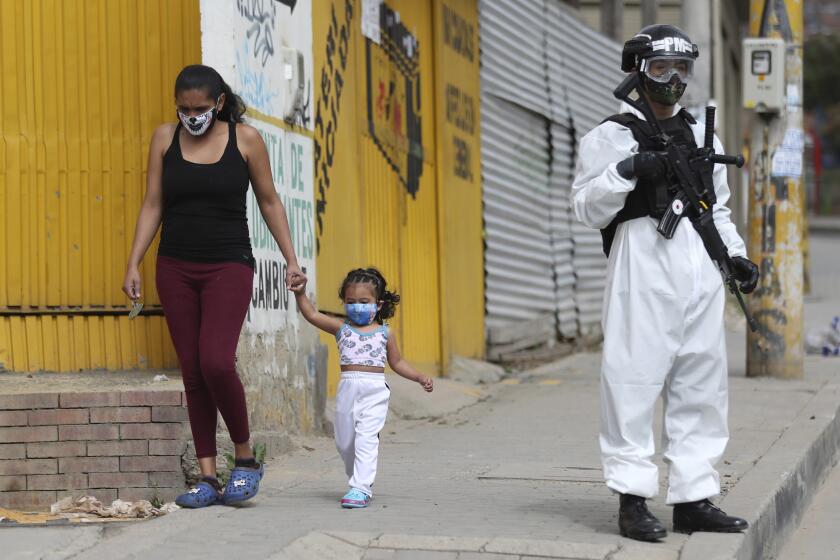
<point x="205" y="305"/>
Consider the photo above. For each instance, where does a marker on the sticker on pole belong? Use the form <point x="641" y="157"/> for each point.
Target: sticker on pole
<point x="786" y="163"/>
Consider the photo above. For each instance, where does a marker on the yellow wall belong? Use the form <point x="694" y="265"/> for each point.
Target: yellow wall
<point x="82" y="86"/>
<point x="413" y="218"/>
<point x="458" y="98"/>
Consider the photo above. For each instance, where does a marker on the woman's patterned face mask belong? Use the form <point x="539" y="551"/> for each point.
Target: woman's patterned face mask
<point x="199" y="124"/>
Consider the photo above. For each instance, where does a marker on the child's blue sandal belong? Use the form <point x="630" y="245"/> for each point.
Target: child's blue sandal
<point x="244" y="484"/>
<point x="201" y="495"/>
<point x="355" y="499"/>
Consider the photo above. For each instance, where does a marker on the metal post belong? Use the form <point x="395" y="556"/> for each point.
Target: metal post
<point x="649" y="12"/>
<point x="612" y="19"/>
<point x="775" y="212"/>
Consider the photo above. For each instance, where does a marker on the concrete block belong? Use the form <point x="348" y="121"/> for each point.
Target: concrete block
<point x="150" y="398"/>
<point x="87" y="400"/>
<point x="57" y="481"/>
<point x="58" y="416"/>
<point x="28" y="401"/>
<point x="28" y="466"/>
<point x="28" y="501"/>
<point x="120" y="414"/>
<point x="117" y="448"/>
<point x="88" y="432"/>
<point x="152" y="431"/>
<point x="118" y="479"/>
<point x="88" y="464"/>
<point x="56" y="449"/>
<point x="26" y="434"/>
<point x="12" y="451"/>
<point x="150" y="463"/>
<point x="169" y="414"/>
<point x="10" y="418"/>
<point x="167" y="447"/>
<point x="12" y="483"/>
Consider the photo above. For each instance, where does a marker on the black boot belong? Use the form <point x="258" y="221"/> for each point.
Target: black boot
<point x="635" y="521"/>
<point x="703" y="515"/>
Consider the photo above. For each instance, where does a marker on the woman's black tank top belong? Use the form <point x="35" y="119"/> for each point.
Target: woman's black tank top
<point x="204" y="212"/>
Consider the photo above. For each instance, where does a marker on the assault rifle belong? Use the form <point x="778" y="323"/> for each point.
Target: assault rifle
<point x="690" y="177"/>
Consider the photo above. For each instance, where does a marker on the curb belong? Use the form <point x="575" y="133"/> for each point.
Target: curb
<point x="775" y="493"/>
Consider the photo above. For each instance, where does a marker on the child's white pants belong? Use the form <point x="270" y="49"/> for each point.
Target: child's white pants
<point x="361" y="406"/>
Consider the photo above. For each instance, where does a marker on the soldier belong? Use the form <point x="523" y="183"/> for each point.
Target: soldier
<point x="664" y="302"/>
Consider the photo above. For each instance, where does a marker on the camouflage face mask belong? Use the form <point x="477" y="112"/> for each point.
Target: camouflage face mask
<point x="666" y="94"/>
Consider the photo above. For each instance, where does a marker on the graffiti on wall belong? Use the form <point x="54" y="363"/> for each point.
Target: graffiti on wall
<point x="392" y="70"/>
<point x="269" y="40"/>
<point x="330" y="84"/>
<point x="267" y="47"/>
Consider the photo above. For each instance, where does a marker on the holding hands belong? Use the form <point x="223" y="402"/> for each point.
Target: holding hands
<point x="295" y="279"/>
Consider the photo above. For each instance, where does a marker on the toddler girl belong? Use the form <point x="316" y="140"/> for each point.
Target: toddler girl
<point x="364" y="344"/>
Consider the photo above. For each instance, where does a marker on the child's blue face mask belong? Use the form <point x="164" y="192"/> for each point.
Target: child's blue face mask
<point x="361" y="313"/>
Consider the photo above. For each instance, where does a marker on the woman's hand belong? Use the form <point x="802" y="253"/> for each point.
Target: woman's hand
<point x="132" y="283"/>
<point x="297" y="285"/>
<point x="427" y="383"/>
<point x="295" y="278"/>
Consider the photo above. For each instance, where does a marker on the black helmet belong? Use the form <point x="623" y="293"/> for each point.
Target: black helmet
<point x="654" y="41"/>
<point x="664" y="57"/>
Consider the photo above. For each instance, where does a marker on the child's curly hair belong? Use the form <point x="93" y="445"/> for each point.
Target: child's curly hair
<point x="380" y="286"/>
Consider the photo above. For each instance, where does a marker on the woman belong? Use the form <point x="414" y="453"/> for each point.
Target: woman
<point x="198" y="176"/>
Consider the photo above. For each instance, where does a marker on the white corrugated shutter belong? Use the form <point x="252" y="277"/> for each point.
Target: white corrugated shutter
<point x="589" y="71"/>
<point x="561" y="231"/>
<point x="543" y="269"/>
<point x="518" y="254"/>
<point x="516" y="164"/>
<point x="512" y="52"/>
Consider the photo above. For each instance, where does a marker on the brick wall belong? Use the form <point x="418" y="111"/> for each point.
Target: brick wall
<point x="120" y="444"/>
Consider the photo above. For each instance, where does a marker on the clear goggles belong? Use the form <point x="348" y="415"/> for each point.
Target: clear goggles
<point x="663" y="68"/>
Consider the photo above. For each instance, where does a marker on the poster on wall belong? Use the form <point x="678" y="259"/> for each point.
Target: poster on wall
<point x="263" y="49"/>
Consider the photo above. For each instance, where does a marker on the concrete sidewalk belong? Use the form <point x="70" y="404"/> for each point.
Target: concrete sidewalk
<point x="508" y="470"/>
<point x="514" y="475"/>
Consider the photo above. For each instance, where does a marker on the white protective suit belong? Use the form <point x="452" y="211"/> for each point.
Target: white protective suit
<point x="663" y="330"/>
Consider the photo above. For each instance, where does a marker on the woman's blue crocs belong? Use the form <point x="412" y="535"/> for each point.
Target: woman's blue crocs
<point x="201" y="495"/>
<point x="355" y="499"/>
<point x="244" y="484"/>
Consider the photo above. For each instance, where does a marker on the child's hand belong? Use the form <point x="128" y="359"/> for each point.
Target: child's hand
<point x="297" y="283"/>
<point x="427" y="383"/>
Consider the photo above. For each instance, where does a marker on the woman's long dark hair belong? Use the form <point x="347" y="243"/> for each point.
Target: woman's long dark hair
<point x="380" y="287"/>
<point x="205" y="78"/>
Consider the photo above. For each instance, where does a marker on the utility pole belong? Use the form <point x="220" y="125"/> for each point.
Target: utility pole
<point x="775" y="206"/>
<point x="612" y="19"/>
<point x="649" y="12"/>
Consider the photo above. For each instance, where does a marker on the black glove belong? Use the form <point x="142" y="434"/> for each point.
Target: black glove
<point x="746" y="272"/>
<point x="647" y="165"/>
